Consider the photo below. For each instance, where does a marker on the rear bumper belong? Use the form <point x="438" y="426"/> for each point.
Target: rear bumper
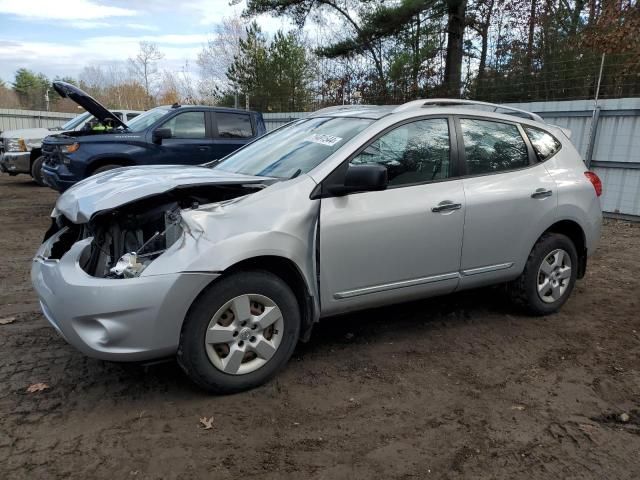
<point x="113" y="319"/>
<point x="15" y="162"/>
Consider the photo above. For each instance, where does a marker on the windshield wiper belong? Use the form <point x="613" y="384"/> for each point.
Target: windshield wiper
<point x="298" y="172"/>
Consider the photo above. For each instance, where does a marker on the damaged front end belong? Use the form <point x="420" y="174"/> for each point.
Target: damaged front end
<point x="127" y="239"/>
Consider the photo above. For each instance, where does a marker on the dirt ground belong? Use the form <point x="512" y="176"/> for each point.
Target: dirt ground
<point x="455" y="387"/>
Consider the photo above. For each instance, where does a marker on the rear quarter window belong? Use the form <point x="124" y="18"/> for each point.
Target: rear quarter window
<point x="543" y="143"/>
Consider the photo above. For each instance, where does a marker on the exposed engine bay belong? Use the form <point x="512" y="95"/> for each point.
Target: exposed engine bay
<point x="127" y="239"/>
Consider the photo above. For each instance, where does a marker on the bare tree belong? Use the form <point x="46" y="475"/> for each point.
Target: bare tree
<point x="178" y="86"/>
<point x="145" y="65"/>
<point x="218" y="54"/>
<point x="8" y="98"/>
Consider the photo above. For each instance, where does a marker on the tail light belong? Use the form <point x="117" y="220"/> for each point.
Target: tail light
<point x="595" y="181"/>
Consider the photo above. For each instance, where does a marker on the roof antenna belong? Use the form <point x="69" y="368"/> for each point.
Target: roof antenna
<point x="175" y="105"/>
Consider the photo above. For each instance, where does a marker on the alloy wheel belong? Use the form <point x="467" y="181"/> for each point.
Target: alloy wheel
<point x="244" y="334"/>
<point x="554" y="276"/>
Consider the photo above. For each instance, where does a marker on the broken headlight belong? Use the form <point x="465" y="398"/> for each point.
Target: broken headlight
<point x="132" y="264"/>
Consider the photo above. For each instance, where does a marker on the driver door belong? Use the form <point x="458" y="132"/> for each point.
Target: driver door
<point x="403" y="242"/>
<point x="191" y="142"/>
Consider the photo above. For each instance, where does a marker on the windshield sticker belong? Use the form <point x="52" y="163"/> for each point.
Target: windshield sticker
<point x="328" y="140"/>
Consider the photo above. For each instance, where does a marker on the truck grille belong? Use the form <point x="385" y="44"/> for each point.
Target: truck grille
<point x="51" y="154"/>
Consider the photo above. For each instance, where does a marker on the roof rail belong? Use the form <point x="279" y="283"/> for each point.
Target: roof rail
<point x="455" y="101"/>
<point x="340" y="108"/>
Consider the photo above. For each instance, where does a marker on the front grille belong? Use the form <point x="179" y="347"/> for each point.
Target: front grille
<point x="51" y="154"/>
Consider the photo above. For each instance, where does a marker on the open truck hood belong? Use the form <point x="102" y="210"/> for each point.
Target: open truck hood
<point x="114" y="188"/>
<point x="86" y="101"/>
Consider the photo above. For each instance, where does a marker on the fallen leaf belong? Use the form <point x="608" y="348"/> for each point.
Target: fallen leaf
<point x="518" y="407"/>
<point x="37" y="387"/>
<point x="207" y="423"/>
<point x="7" y="320"/>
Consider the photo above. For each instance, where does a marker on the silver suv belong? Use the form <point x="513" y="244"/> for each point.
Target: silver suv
<point x="229" y="264"/>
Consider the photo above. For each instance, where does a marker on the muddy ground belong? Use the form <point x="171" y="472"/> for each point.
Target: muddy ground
<point x="456" y="387"/>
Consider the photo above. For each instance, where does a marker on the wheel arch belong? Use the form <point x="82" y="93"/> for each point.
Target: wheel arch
<point x="35" y="153"/>
<point x="110" y="160"/>
<point x="576" y="234"/>
<point x="290" y="273"/>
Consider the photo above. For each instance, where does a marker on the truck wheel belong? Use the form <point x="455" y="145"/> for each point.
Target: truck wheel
<point x="36" y="171"/>
<point x="105" y="168"/>
<point x="240" y="332"/>
<point x="548" y="277"/>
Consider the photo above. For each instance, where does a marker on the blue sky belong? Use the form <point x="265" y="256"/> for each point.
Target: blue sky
<point x="60" y="37"/>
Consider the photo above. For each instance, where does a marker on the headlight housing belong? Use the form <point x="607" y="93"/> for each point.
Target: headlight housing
<point x="15" y="145"/>
<point x="73" y="147"/>
<point x="70" y="148"/>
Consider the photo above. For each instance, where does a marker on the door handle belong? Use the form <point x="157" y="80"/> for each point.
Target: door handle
<point x="541" y="193"/>
<point x="446" y="206"/>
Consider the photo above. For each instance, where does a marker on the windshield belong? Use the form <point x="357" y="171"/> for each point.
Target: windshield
<point x="146" y="119"/>
<point x="74" y="122"/>
<point x="302" y="146"/>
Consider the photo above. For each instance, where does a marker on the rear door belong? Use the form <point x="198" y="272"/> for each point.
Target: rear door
<point x="510" y="198"/>
<point x="403" y="242"/>
<point x="232" y="131"/>
<point x="191" y="141"/>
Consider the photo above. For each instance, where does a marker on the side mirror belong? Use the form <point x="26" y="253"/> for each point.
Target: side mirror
<point x="362" y="178"/>
<point x="160" y="134"/>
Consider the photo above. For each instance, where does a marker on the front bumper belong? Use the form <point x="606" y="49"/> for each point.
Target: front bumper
<point x="113" y="319"/>
<point x="58" y="177"/>
<point x="15" y="162"/>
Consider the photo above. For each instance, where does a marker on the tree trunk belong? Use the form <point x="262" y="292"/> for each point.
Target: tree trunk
<point x="456" y="10"/>
<point x="575" y="16"/>
<point x="484" y="34"/>
<point x="532" y="25"/>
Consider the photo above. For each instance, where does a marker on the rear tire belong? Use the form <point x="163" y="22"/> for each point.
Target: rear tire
<point x="36" y="171"/>
<point x="240" y="332"/>
<point x="548" y="277"/>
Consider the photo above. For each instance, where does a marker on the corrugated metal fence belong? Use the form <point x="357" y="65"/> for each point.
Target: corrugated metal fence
<point x="275" y="120"/>
<point x="11" y="119"/>
<point x="615" y="153"/>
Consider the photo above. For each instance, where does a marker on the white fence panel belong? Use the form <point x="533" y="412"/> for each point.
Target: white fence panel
<point x="275" y="120"/>
<point x="616" y="152"/>
<point x="11" y="119"/>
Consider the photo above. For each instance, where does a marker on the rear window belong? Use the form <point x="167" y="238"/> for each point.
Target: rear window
<point x="492" y="146"/>
<point x="544" y="144"/>
<point x="234" y="125"/>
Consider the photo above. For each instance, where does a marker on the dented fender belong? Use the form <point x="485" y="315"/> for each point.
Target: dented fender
<point x="218" y="236"/>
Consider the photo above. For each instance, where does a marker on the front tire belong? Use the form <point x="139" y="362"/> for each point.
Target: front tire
<point x="240" y="332"/>
<point x="548" y="277"/>
<point x="36" y="171"/>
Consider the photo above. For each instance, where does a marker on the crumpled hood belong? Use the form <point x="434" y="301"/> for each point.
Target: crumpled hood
<point x="120" y="186"/>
